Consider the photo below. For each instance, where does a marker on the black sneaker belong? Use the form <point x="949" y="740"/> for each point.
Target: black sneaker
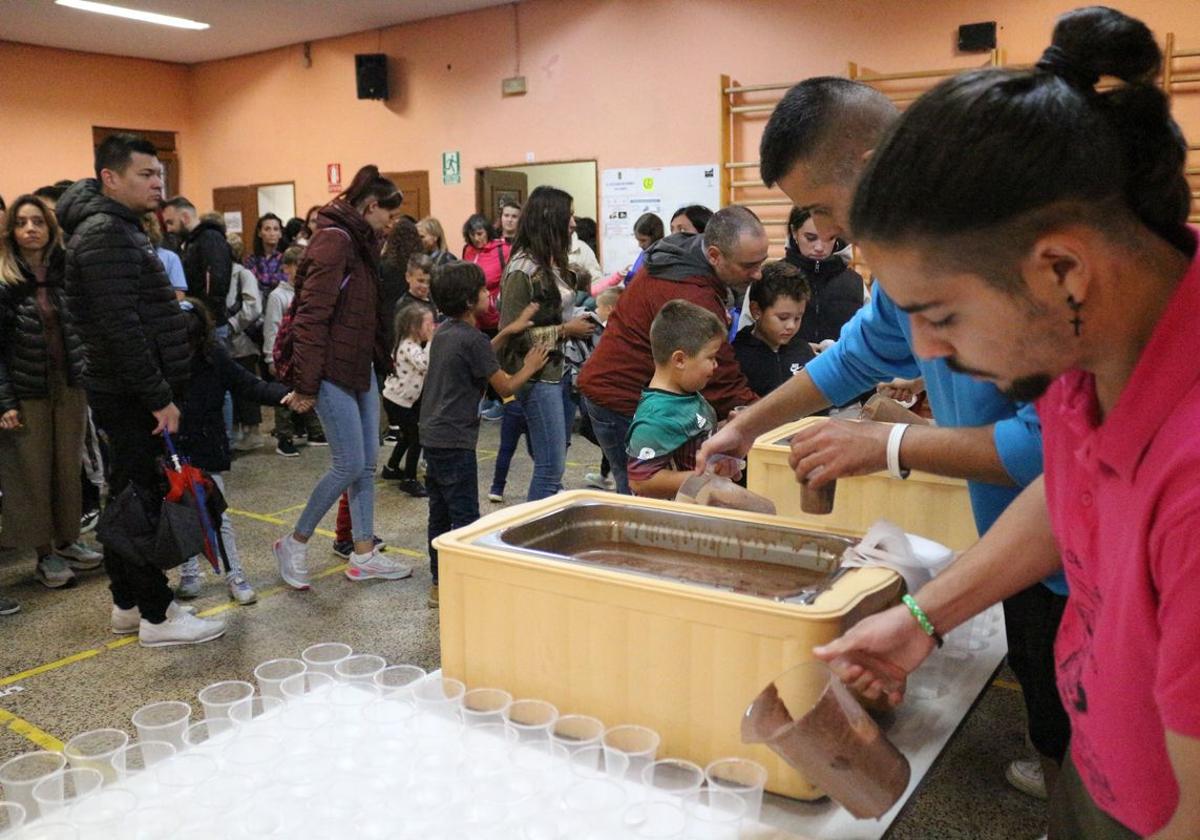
<point x="345" y="549"/>
<point x="393" y="434"/>
<point x="413" y="488"/>
<point x="88" y="521"/>
<point x="286" y="448"/>
<point x="317" y="440"/>
<point x="390" y="474"/>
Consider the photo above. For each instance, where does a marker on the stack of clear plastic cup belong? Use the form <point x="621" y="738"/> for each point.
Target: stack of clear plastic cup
<point x="485" y="705"/>
<point x="138" y="757"/>
<point x="64" y="789"/>
<point x="307" y="684"/>
<point x="324" y="657"/>
<point x="163" y="721"/>
<point x="742" y="777"/>
<point x="532" y="719"/>
<point x="219" y="697"/>
<point x="359" y="667"/>
<point x="639" y="744"/>
<point x="271" y="674"/>
<point x="575" y="732"/>
<point x="12" y="817"/>
<point x="95" y="749"/>
<point x="596" y="763"/>
<point x="264" y="710"/>
<point x="672" y="779"/>
<point x="441" y="696"/>
<point x="19" y="775"/>
<point x="399" y="680"/>
<point x="210" y="733"/>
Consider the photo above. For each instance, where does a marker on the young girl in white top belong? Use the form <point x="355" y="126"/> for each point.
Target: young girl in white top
<point x="402" y="393"/>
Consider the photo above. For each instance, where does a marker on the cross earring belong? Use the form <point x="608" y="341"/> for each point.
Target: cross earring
<point x="1076" y="321"/>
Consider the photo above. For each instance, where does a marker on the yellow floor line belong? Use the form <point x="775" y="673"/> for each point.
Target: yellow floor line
<point x="291" y="509"/>
<point x="51" y="666"/>
<point x="1009" y="684"/>
<point x="27" y="730"/>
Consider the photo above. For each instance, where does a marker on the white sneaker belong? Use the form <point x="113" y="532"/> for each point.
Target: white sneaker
<point x="600" y="482"/>
<point x="240" y="589"/>
<point x="79" y="557"/>
<point x="191" y="577"/>
<point x="496" y="498"/>
<point x="292" y="557"/>
<point x="125" y="622"/>
<point x="376" y="565"/>
<point x="183" y="629"/>
<point x="1025" y="774"/>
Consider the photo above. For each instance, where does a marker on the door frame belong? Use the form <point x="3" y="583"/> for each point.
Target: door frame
<point x="479" y="170"/>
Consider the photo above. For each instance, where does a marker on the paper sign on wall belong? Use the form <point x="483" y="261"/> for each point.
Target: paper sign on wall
<point x="625" y="194"/>
<point x="233" y="221"/>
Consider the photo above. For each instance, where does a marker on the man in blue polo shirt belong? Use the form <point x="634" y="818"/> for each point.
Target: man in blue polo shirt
<point x="814" y="148"/>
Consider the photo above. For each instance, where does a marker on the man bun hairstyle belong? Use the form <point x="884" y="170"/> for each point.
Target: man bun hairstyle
<point x="455" y="287"/>
<point x="985" y="163"/>
<point x="369" y="185"/>
<point x="682" y="325"/>
<point x="116" y="151"/>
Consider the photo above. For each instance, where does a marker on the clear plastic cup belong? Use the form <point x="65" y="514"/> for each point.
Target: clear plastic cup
<point x="66" y="788"/>
<point x="163" y="721"/>
<point x="598" y="763"/>
<point x="95" y="749"/>
<point x="105" y="814"/>
<point x="155" y="823"/>
<point x="485" y="705"/>
<point x="389" y="718"/>
<point x="639" y="744"/>
<point x="218" y="698"/>
<point x="310" y="683"/>
<point x="742" y="777"/>
<point x="49" y="831"/>
<point x="574" y="732"/>
<point x="210" y="732"/>
<point x="271" y="674"/>
<point x="251" y="754"/>
<point x="185" y="771"/>
<point x="323" y="657"/>
<point x="360" y="667"/>
<point x="532" y="719"/>
<point x="594" y="802"/>
<point x="399" y="680"/>
<point x="134" y="758"/>
<point x="440" y="696"/>
<point x="257" y="708"/>
<point x="487" y="748"/>
<point x="12" y="817"/>
<point x="655" y="820"/>
<point x="714" y="814"/>
<point x="348" y="699"/>
<point x="672" y="779"/>
<point x="19" y="775"/>
<point x="305" y="717"/>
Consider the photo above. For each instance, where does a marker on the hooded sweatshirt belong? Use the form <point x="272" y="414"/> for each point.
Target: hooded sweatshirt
<point x="675" y="268"/>
<point x="837" y="293"/>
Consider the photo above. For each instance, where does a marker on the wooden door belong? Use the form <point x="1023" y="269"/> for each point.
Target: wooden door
<point x="415" y="186"/>
<point x="495" y="185"/>
<point x="242" y="201"/>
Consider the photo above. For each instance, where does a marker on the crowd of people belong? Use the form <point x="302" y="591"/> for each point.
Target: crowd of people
<point x="1044" y="324"/>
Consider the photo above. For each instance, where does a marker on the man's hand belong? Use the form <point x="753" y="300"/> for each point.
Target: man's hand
<point x="10" y="420"/>
<point x="903" y="391"/>
<point x="168" y="419"/>
<point x="728" y="440"/>
<point x="875" y="656"/>
<point x="839" y="448"/>
<point x="299" y="403"/>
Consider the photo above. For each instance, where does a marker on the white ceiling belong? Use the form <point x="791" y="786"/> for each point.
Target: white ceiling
<point x="236" y="27"/>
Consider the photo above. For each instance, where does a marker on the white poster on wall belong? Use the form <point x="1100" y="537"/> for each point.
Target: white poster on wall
<point x="625" y="194"/>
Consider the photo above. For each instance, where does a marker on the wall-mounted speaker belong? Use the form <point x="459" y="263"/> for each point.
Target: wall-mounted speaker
<point x="976" y="37"/>
<point x="371" y="74"/>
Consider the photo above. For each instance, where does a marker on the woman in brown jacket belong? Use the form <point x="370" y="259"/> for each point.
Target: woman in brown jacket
<point x="339" y="330"/>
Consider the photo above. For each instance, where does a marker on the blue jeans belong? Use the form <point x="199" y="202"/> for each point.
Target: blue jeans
<point x="452" y="480"/>
<point x="512" y="427"/>
<point x="351" y="423"/>
<point x="610" y="430"/>
<point x="545" y="417"/>
<point x="222" y="336"/>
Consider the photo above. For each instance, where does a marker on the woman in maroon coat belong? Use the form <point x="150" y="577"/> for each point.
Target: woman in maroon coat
<point x="339" y="330"/>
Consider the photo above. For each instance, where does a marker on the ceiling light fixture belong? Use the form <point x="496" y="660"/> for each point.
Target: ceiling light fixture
<point x="132" y="14"/>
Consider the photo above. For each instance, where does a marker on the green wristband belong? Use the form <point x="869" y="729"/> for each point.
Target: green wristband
<point x="922" y="619"/>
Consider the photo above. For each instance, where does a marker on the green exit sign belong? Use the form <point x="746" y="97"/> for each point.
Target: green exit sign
<point x="451" y="168"/>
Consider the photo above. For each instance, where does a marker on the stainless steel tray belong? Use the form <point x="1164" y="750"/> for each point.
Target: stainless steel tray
<point x="775" y="561"/>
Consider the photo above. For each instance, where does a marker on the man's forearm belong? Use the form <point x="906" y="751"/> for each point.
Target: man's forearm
<point x="966" y="452"/>
<point x="796" y="398"/>
<point x="1017" y="552"/>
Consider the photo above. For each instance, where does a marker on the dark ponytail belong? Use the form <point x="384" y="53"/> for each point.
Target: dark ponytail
<point x="986" y="162"/>
<point x="369" y="185"/>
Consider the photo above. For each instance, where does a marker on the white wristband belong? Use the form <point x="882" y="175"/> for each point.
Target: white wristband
<point x="893" y="450"/>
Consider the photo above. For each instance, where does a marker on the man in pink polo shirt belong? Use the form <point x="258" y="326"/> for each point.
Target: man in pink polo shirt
<point x="1036" y="232"/>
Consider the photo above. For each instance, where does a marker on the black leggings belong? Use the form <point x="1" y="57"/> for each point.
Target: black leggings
<point x="408" y="437"/>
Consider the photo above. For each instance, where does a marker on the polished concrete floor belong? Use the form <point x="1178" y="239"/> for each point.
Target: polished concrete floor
<point x="62" y="672"/>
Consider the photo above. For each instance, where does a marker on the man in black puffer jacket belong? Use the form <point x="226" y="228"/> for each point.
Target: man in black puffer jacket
<point x="207" y="262"/>
<point x="136" y="356"/>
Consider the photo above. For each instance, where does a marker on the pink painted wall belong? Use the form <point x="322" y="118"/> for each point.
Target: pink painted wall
<point x="50" y="99"/>
<point x="626" y="82"/>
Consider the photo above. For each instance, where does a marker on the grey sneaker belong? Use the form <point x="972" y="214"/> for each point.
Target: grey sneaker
<point x="125" y="622"/>
<point x="54" y="572"/>
<point x="8" y="606"/>
<point x="190" y="578"/>
<point x="600" y="482"/>
<point x="79" y="557"/>
<point x="376" y="565"/>
<point x="292" y="557"/>
<point x="240" y="589"/>
<point x="182" y="629"/>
